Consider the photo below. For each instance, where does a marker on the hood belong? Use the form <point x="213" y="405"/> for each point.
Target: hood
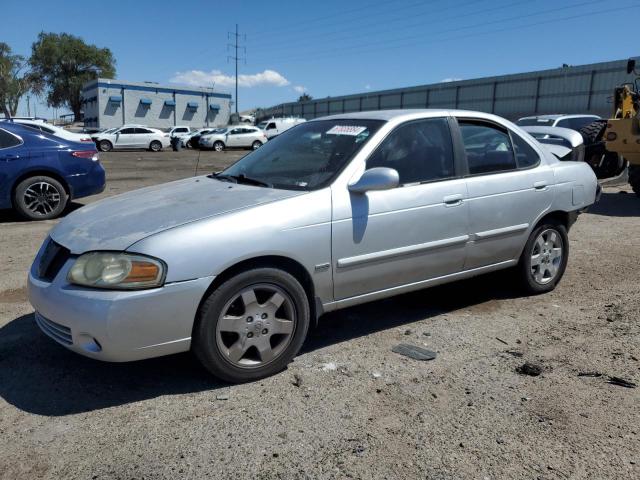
<point x="118" y="222"/>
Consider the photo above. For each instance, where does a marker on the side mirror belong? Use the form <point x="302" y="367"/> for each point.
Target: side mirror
<point x="378" y="178"/>
<point x="631" y="66"/>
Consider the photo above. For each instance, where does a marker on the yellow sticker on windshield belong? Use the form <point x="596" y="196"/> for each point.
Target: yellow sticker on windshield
<point x="352" y="130"/>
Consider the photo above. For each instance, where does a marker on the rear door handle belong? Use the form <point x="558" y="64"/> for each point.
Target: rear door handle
<point x="8" y="158"/>
<point x="542" y="185"/>
<point x="453" y="200"/>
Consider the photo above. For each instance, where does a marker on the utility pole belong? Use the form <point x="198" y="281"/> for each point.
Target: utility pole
<point x="236" y="45"/>
<point x="28" y="106"/>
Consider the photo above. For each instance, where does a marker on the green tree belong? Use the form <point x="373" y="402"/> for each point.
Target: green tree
<point x="63" y="63"/>
<point x="305" y="97"/>
<point x="15" y="80"/>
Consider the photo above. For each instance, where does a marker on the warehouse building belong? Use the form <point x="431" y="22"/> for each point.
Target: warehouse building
<point x="569" y="89"/>
<point x="111" y="103"/>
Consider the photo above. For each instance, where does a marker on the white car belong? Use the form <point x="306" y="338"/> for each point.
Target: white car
<point x="574" y="122"/>
<point x="55" y="131"/>
<point x="132" y="137"/>
<point x="234" y="137"/>
<point x="275" y="126"/>
<point x="179" y="131"/>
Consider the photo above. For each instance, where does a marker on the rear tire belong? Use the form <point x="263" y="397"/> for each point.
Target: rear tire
<point x="256" y="145"/>
<point x="252" y="325"/>
<point x="544" y="258"/>
<point x="40" y="198"/>
<point x="105" y="146"/>
<point x="634" y="178"/>
<point x="155" y="146"/>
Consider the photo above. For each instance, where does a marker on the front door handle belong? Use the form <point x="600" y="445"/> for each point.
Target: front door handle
<point x="542" y="185"/>
<point x="9" y="158"/>
<point x="453" y="200"/>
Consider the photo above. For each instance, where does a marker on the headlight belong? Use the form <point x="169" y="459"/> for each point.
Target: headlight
<point x="117" y="271"/>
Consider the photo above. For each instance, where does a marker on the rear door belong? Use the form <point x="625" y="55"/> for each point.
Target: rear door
<point x="142" y="137"/>
<point x="509" y="188"/>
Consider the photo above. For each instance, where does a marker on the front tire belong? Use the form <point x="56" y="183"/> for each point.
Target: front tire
<point x="544" y="258"/>
<point x="252" y="325"/>
<point x="105" y="146"/>
<point x="40" y="198"/>
<point x="218" y="146"/>
<point x="634" y="178"/>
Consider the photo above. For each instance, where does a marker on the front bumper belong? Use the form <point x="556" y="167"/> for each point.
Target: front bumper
<point x="116" y="326"/>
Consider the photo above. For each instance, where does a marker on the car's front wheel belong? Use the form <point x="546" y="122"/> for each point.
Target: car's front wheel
<point x="252" y="325"/>
<point x="545" y="257"/>
<point x="218" y="146"/>
<point x="40" y="198"/>
<point x="105" y="146"/>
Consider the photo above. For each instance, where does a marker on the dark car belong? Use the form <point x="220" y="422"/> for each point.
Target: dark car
<point x="41" y="173"/>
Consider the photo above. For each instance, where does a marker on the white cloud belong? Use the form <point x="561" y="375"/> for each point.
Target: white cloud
<point x="207" y="79"/>
<point x="299" y="89"/>
<point x="452" y="79"/>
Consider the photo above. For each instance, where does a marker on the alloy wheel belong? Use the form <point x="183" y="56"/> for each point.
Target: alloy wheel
<point x="546" y="256"/>
<point x="42" y="198"/>
<point x="256" y="326"/>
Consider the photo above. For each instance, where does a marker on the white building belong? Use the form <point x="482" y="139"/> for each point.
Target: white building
<point x="111" y="103"/>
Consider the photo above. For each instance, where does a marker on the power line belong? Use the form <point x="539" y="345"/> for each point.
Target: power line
<point x="236" y="45"/>
<point x="358" y="49"/>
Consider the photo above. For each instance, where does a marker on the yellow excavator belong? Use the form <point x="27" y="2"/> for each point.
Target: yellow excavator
<point x="620" y="135"/>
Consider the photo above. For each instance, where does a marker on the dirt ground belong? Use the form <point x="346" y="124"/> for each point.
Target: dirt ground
<point x="348" y="407"/>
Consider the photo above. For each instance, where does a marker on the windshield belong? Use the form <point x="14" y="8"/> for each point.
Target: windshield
<point x="261" y="125"/>
<point x="533" y="122"/>
<point x="308" y="156"/>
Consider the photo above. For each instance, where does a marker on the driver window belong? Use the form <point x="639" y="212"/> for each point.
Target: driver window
<point x="126" y="131"/>
<point x="488" y="148"/>
<point x="420" y="151"/>
<point x="271" y="126"/>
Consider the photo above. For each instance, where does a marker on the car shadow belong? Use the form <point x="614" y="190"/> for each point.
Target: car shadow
<point x="619" y="204"/>
<point x="11" y="216"/>
<point x="39" y="376"/>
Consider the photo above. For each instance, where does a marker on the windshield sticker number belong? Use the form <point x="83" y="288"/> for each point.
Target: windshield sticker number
<point x="352" y="130"/>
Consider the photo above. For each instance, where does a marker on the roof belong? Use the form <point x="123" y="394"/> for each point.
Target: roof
<point x="151" y="87"/>
<point x="406" y="112"/>
<point x="559" y="115"/>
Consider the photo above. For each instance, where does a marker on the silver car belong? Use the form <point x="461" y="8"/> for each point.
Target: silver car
<point x="333" y="213"/>
<point x="234" y="137"/>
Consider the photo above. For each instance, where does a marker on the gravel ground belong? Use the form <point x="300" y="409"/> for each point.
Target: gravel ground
<point x="348" y="407"/>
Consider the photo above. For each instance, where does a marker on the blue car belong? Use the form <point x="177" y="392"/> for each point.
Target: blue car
<point x="41" y="173"/>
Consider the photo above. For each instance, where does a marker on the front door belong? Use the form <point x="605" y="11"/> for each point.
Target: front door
<point x="234" y="137"/>
<point x="415" y="232"/>
<point x="125" y="138"/>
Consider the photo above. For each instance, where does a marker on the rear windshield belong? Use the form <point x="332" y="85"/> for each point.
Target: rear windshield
<point x="532" y="122"/>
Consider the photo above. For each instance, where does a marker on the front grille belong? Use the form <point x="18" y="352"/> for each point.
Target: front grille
<point x="52" y="260"/>
<point x="58" y="332"/>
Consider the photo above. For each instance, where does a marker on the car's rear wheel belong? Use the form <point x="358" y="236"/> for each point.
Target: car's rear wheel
<point x="218" y="146"/>
<point x="40" y="198"/>
<point x="155" y="146"/>
<point x="105" y="146"/>
<point x="544" y="259"/>
<point x="634" y="178"/>
<point x="256" y="145"/>
<point x="252" y="325"/>
<point x="188" y="144"/>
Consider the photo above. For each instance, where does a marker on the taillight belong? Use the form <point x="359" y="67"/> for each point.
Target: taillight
<point x="86" y="139"/>
<point x="91" y="154"/>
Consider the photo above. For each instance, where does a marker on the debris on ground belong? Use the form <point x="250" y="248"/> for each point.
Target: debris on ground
<point x="502" y="341"/>
<point x="222" y="396"/>
<point x="328" y="367"/>
<point x="589" y="374"/>
<point x="514" y="353"/>
<point x="412" y="351"/>
<point x="408" y="331"/>
<point x="530" y="369"/>
<point x="297" y="380"/>
<point x="621" y="382"/>
<point x="376" y="374"/>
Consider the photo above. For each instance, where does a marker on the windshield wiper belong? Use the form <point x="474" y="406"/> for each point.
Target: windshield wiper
<point x="242" y="178"/>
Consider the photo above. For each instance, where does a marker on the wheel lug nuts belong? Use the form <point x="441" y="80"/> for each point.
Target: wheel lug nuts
<point x="249" y="319"/>
<point x="265" y="331"/>
<point x="250" y="335"/>
<point x="264" y="315"/>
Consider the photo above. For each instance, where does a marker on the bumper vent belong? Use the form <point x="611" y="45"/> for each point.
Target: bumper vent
<point x="52" y="260"/>
<point x="58" y="332"/>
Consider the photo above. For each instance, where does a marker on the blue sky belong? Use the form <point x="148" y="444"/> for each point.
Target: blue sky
<point x="331" y="47"/>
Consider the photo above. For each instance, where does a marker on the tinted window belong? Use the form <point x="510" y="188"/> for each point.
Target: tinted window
<point x="7" y="140"/>
<point x="420" y="151"/>
<point x="180" y="130"/>
<point x="142" y="130"/>
<point x="127" y="131"/>
<point x="575" y="123"/>
<point x="526" y="156"/>
<point x="488" y="148"/>
<point x="47" y="130"/>
<point x="271" y="126"/>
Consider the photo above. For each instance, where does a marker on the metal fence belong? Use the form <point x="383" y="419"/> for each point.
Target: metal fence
<point x="570" y="89"/>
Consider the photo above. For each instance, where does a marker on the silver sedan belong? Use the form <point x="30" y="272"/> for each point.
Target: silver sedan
<point x="338" y="211"/>
<point x="234" y="137"/>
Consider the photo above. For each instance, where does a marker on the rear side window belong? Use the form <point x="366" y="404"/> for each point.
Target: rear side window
<point x="488" y="148"/>
<point x="420" y="151"/>
<point x="7" y="140"/>
<point x="143" y="130"/>
<point x="526" y="156"/>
